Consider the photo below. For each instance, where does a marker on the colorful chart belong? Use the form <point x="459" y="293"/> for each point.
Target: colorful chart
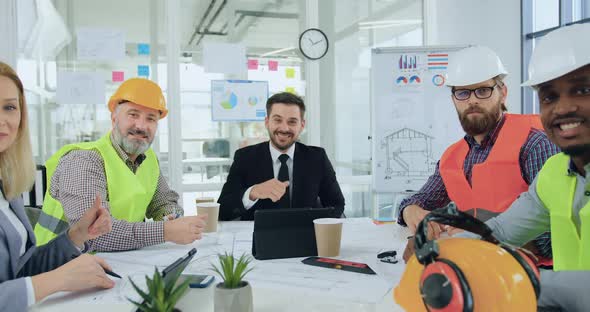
<point x="438" y="80"/>
<point x="230" y="102"/>
<point x="415" y="79"/>
<point x="401" y="79"/>
<point x="438" y="61"/>
<point x="252" y="101"/>
<point x="238" y="100"/>
<point x="407" y="62"/>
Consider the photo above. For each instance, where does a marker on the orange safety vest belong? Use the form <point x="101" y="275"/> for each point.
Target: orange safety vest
<point x="496" y="182"/>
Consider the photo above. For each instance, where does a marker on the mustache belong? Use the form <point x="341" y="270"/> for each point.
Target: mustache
<point x="284" y="132"/>
<point x="473" y="109"/>
<point x="137" y="132"/>
<point x="566" y="116"/>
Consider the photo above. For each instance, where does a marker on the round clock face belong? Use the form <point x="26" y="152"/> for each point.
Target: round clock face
<point x="313" y="43"/>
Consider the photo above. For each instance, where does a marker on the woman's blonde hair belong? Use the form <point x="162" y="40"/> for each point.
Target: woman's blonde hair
<point x="17" y="168"/>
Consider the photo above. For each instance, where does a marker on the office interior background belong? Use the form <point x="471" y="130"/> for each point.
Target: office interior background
<point x="194" y="151"/>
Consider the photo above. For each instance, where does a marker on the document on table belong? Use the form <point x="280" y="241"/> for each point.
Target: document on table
<point x="120" y="294"/>
<point x="361" y="242"/>
<point x="292" y="275"/>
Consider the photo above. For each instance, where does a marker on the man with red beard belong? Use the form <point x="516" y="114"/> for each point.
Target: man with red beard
<point x="280" y="173"/>
<point x="500" y="155"/>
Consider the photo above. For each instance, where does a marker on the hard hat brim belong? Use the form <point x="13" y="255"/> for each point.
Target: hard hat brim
<point x="551" y="76"/>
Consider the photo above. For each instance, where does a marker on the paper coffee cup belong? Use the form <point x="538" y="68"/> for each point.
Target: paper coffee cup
<point x="212" y="211"/>
<point x="328" y="233"/>
<point x="199" y="200"/>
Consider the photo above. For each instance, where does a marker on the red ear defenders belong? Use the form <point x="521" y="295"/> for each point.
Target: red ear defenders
<point x="443" y="285"/>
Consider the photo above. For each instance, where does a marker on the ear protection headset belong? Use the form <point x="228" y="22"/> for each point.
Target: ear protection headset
<point x="443" y="285"/>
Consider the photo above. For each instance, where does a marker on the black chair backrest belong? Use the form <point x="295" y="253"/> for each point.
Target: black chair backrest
<point x="34" y="193"/>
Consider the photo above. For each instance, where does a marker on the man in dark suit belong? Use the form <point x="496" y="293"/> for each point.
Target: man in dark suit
<point x="280" y="173"/>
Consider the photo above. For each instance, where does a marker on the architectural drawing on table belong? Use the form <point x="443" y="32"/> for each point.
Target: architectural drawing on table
<point x="408" y="154"/>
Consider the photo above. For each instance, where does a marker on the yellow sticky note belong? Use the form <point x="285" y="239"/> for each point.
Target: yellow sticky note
<point x="290" y="72"/>
<point x="290" y="89"/>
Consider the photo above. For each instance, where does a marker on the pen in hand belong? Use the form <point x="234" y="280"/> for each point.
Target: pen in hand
<point x="107" y="272"/>
<point x="111" y="273"/>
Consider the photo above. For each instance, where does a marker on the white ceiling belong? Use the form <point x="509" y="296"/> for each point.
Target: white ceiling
<point x="258" y="34"/>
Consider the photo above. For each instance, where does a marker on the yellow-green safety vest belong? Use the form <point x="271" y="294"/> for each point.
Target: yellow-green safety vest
<point x="129" y="193"/>
<point x="556" y="190"/>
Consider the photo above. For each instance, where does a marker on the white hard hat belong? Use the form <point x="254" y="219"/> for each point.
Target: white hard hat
<point x="558" y="53"/>
<point x="474" y="65"/>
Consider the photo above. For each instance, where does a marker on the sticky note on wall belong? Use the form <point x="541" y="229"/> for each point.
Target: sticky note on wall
<point x="118" y="76"/>
<point x="143" y="49"/>
<point x="290" y="72"/>
<point x="273" y="65"/>
<point x="290" y="90"/>
<point x="143" y="70"/>
<point x="252" y="64"/>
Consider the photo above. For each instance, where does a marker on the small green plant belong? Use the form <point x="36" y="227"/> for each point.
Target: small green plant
<point x="161" y="295"/>
<point x="232" y="270"/>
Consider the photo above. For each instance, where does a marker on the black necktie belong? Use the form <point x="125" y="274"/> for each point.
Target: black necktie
<point x="285" y="201"/>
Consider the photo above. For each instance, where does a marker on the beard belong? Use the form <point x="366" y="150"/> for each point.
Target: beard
<point x="577" y="150"/>
<point x="131" y="146"/>
<point x="283" y="147"/>
<point x="479" y="124"/>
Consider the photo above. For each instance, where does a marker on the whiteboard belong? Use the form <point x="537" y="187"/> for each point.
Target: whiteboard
<point x="413" y="116"/>
<point x="238" y="100"/>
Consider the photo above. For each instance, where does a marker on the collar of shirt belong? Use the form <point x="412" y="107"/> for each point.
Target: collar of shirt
<point x="490" y="138"/>
<point x="572" y="170"/>
<point x="125" y="157"/>
<point x="275" y="153"/>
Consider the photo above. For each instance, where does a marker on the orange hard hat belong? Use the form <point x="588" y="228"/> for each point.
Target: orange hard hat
<point x="142" y="92"/>
<point x="464" y="274"/>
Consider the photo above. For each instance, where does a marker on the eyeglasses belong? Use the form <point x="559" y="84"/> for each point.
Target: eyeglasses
<point x="480" y="93"/>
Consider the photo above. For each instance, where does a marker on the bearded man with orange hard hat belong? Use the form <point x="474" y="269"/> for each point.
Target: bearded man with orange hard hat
<point x="121" y="170"/>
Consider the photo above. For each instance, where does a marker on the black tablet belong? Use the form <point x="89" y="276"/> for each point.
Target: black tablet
<point x="178" y="266"/>
<point x="287" y="233"/>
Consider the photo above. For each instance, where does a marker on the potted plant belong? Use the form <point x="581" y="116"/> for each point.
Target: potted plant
<point x="161" y="295"/>
<point x="233" y="294"/>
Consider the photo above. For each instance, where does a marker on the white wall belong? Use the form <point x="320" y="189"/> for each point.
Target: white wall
<point x="495" y="24"/>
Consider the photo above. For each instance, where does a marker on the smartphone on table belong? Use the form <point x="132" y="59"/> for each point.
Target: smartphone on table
<point x="198" y="280"/>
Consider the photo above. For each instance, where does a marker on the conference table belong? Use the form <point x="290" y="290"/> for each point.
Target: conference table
<point x="277" y="285"/>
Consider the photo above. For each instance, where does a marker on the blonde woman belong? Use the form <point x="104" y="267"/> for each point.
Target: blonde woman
<point x="29" y="274"/>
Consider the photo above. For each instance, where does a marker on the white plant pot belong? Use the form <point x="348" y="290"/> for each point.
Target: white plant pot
<point x="233" y="299"/>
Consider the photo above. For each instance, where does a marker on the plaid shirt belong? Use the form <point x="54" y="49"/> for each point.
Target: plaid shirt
<point x="80" y="175"/>
<point x="533" y="154"/>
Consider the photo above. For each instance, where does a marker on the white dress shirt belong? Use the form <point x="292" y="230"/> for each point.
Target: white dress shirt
<point x="276" y="166"/>
<point x="22" y="233"/>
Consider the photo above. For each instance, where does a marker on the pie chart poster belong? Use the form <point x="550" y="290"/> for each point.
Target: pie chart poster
<point x="238" y="100"/>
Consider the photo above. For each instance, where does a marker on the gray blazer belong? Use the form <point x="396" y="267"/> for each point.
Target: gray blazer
<point x="13" y="268"/>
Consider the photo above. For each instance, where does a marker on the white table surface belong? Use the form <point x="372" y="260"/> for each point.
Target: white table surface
<point x="361" y="241"/>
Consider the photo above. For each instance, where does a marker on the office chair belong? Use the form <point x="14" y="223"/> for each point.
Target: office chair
<point x="34" y="199"/>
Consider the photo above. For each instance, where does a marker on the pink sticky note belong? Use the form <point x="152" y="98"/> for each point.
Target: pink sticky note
<point x="118" y="76"/>
<point x="273" y="65"/>
<point x="252" y="64"/>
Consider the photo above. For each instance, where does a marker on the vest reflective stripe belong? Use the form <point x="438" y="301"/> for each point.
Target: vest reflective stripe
<point x="52" y="223"/>
<point x="497" y="181"/>
<point x="556" y="190"/>
<point x="129" y="194"/>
